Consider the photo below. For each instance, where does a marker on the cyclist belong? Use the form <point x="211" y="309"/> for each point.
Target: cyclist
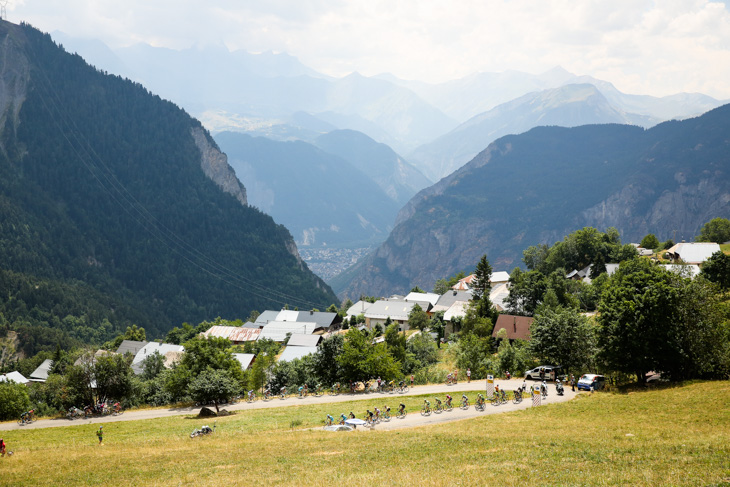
<point x="249" y="394"/>
<point x="480" y="399"/>
<point x="352" y="415"/>
<point x="369" y="416"/>
<point x="508" y="375"/>
<point x="330" y="420"/>
<point x="426" y="405"/>
<point x="301" y="391"/>
<point x="464" y="399"/>
<point x="267" y="392"/>
<point x="386" y="414"/>
<point x="282" y="391"/>
<point x="438" y="404"/>
<point x="448" y="401"/>
<point x="401" y="409"/>
<point x="27" y="416"/>
<point x="343" y="418"/>
<point x="377" y="414"/>
<point x="449" y="379"/>
<point x="117" y="407"/>
<point x="496" y="388"/>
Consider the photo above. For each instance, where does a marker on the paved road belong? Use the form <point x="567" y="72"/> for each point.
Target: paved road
<point x="412" y="419"/>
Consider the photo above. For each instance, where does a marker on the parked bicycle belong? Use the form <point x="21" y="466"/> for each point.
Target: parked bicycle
<point x="205" y="430"/>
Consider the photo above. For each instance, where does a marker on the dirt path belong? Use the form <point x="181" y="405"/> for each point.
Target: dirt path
<point x="413" y="418"/>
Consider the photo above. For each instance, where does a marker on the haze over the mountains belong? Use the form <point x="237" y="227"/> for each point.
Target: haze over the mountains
<point x="277" y="96"/>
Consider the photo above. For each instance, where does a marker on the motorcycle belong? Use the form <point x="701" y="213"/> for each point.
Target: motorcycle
<point x="205" y="430"/>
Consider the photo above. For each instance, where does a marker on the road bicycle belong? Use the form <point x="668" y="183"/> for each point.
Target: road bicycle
<point x="426" y="410"/>
<point x="335" y="390"/>
<point x="386" y="415"/>
<point x="318" y="391"/>
<point x="464" y="402"/>
<point x="517" y="396"/>
<point x="282" y="393"/>
<point x="251" y="396"/>
<point x="402" y="388"/>
<point x="74" y="413"/>
<point x="448" y="406"/>
<point x="439" y="408"/>
<point x="27" y="418"/>
<point x="401" y="413"/>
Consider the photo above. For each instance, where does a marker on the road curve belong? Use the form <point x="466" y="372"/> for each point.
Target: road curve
<point x="413" y="418"/>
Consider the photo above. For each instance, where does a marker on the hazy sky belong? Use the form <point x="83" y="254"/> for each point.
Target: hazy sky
<point x="643" y="47"/>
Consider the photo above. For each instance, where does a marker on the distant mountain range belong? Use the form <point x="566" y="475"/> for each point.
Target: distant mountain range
<point x="276" y="96"/>
<point x="541" y="185"/>
<point x="565" y="106"/>
<point x="117" y="207"/>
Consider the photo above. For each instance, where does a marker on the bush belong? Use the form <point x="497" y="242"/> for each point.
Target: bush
<point x="14" y="400"/>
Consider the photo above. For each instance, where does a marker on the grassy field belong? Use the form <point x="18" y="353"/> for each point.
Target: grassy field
<point x="674" y="436"/>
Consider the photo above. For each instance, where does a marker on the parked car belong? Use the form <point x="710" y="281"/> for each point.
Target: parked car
<point x="550" y="372"/>
<point x="588" y="381"/>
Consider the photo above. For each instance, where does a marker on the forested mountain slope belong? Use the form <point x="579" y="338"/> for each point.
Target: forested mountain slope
<point x="105" y="186"/>
<point x="321" y="198"/>
<point x="399" y="179"/>
<point x="536" y="187"/>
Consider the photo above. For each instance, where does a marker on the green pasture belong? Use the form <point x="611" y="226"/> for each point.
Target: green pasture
<point x="669" y="436"/>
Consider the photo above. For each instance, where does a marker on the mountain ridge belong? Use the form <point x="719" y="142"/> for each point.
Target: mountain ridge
<point x="541" y="185"/>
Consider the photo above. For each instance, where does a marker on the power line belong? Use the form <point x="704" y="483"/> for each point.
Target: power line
<point x="109" y="183"/>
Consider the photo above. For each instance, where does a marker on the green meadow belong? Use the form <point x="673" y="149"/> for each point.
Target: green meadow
<point x="668" y="436"/>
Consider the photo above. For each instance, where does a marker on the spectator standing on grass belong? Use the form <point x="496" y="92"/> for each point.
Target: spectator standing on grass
<point x="572" y="382"/>
<point x="412" y="377"/>
<point x="100" y="434"/>
<point x="468" y="375"/>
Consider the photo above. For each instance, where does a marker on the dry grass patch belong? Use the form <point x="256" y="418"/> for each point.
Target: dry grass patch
<point x="681" y="437"/>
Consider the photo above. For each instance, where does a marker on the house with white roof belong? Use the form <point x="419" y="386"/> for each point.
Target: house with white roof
<point x="421" y="297"/>
<point x="692" y="253"/>
<point x="14" y="376"/>
<point x="395" y="309"/>
<point x="40" y="374"/>
<point x="277" y="330"/>
<point x="245" y="359"/>
<point x="358" y="308"/>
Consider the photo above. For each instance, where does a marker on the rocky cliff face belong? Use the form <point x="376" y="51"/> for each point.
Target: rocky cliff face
<point x="215" y="165"/>
<point x="540" y="186"/>
<point x="14" y="76"/>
